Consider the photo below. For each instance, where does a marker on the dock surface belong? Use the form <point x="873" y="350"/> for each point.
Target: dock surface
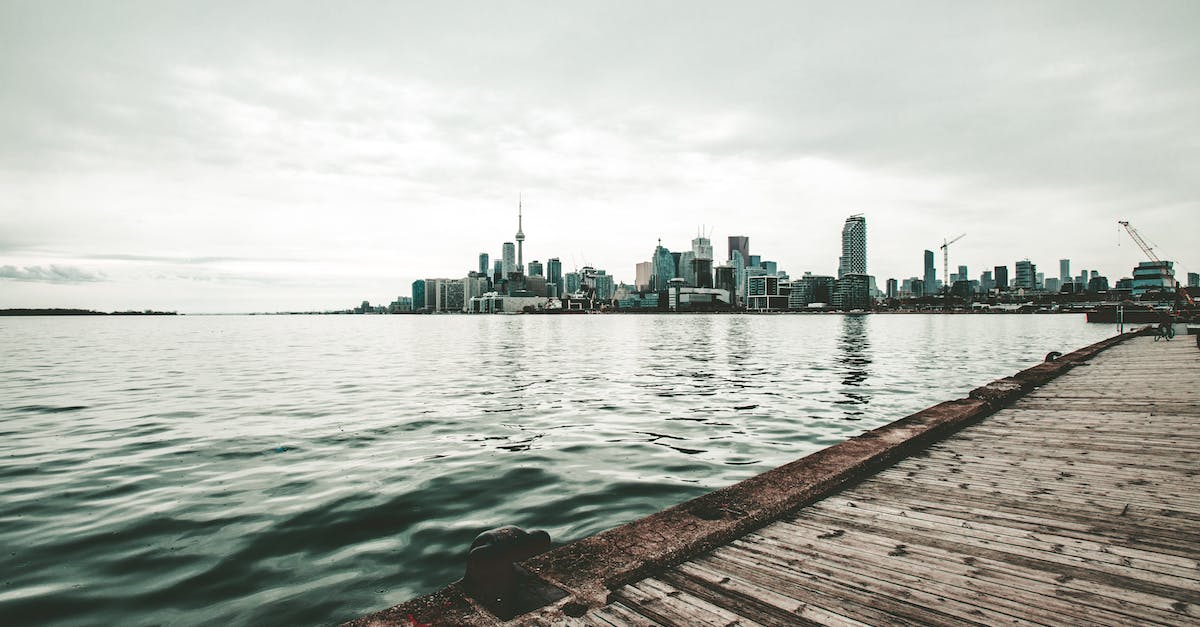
<point x="1077" y="504"/>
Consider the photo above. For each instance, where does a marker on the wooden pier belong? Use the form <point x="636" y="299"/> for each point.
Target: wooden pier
<point x="1071" y="499"/>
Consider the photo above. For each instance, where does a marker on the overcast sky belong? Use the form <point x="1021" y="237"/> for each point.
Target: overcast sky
<point x="265" y="156"/>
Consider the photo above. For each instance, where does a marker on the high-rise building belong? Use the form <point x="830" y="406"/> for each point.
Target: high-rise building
<point x="1064" y="271"/>
<point x="1193" y="279"/>
<point x="483" y="264"/>
<point x="510" y="259"/>
<point x="418" y="294"/>
<point x="739" y="277"/>
<point x="664" y="268"/>
<point x="986" y="283"/>
<point x="754" y="262"/>
<point x="930" y="273"/>
<point x="554" y="278"/>
<point x="740" y="243"/>
<point x="1153" y="276"/>
<point x="702" y="262"/>
<point x="686" y="269"/>
<point x="574" y="282"/>
<point x="962" y="274"/>
<point x="642" y="273"/>
<point x="1026" y="275"/>
<point x="520" y="240"/>
<point x="1001" y="277"/>
<point x="771" y="267"/>
<point x="497" y="273"/>
<point x="604" y="285"/>
<point x="535" y="268"/>
<point x="893" y="289"/>
<point x="854" y="246"/>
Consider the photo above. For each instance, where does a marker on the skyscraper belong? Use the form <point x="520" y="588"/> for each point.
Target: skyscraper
<point x="664" y="267"/>
<point x="643" y="271"/>
<point x="854" y="246"/>
<point x="702" y="260"/>
<point x="483" y="264"/>
<point x="1026" y="274"/>
<point x="1001" y="277"/>
<point x="510" y="259"/>
<point x="554" y="275"/>
<point x="1064" y="271"/>
<point x="418" y="294"/>
<point x="520" y="240"/>
<point x="930" y="273"/>
<point x="740" y="243"/>
<point x="535" y="268"/>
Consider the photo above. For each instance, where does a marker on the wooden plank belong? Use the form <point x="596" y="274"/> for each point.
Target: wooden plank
<point x="662" y="603"/>
<point x="748" y="599"/>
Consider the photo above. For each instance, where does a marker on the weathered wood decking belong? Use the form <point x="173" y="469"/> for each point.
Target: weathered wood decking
<point x="1065" y="494"/>
<point x="1078" y="504"/>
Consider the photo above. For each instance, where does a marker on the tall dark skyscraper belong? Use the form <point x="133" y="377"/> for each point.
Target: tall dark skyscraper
<point x="1001" y="277"/>
<point x="854" y="246"/>
<point x="930" y="273"/>
<point x="484" y="264"/>
<point x="740" y="243"/>
<point x="554" y="276"/>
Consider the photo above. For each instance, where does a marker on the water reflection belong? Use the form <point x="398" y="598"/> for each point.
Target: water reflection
<point x="854" y="358"/>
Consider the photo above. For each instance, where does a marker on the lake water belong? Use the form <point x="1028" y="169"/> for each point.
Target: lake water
<point x="308" y="469"/>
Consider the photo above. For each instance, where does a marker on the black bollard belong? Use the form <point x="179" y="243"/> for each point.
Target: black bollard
<point x="492" y="578"/>
<point x="1053" y="356"/>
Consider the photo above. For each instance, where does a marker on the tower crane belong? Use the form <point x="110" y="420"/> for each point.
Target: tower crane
<point x="1137" y="239"/>
<point x="946" y="261"/>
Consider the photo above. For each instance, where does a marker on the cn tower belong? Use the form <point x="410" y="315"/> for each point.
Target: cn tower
<point x="520" y="240"/>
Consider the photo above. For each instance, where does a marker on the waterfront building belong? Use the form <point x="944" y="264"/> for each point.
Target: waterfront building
<point x="702" y="262"/>
<point x="763" y="293"/>
<point x="573" y="282"/>
<point x="739" y="276"/>
<point x="1040" y="280"/>
<point x="854" y="246"/>
<point x="1001" y="277"/>
<point x="483" y="263"/>
<point x="741" y="244"/>
<point x="442" y="295"/>
<point x="1098" y="284"/>
<point x="1082" y="280"/>
<point x="493" y="302"/>
<point x="685" y="298"/>
<point x="535" y="268"/>
<point x="664" y="268"/>
<point x="1064" y="271"/>
<point x="473" y="286"/>
<point x="604" y="286"/>
<point x="554" y="277"/>
<point x="893" y="290"/>
<point x="642" y="273"/>
<point x="930" y="273"/>
<point x="509" y="255"/>
<point x="1026" y="275"/>
<point x="1193" y="279"/>
<point x="852" y="291"/>
<point x="810" y="291"/>
<point x="401" y="304"/>
<point x="537" y="286"/>
<point x="418" y="294"/>
<point x="1053" y="285"/>
<point x="918" y="287"/>
<point x="1153" y="276"/>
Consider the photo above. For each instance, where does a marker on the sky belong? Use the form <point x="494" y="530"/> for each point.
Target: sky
<point x="218" y="156"/>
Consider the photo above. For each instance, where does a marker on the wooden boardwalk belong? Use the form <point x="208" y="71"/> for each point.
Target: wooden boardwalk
<point x="1079" y="504"/>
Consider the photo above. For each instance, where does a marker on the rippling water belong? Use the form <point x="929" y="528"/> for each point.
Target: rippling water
<point x="305" y="470"/>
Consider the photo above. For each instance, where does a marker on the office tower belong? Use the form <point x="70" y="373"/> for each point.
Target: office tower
<point x="726" y="280"/>
<point x="985" y="281"/>
<point x="1039" y="280"/>
<point x="520" y="240"/>
<point x="604" y="285"/>
<point x="483" y="264"/>
<point x="1051" y="284"/>
<point x="574" y="281"/>
<point x="1193" y="279"/>
<point x="675" y="259"/>
<point x="702" y="260"/>
<point x="771" y="267"/>
<point x="1064" y="271"/>
<point x="1026" y="274"/>
<point x="854" y="246"/>
<point x="664" y="267"/>
<point x="962" y="274"/>
<point x="1001" y="277"/>
<point x="642" y="273"/>
<point x="755" y="261"/>
<point x="893" y="290"/>
<point x="510" y="259"/>
<point x="1094" y="274"/>
<point x="930" y="273"/>
<point x="554" y="276"/>
<point x="686" y="269"/>
<point x="739" y="276"/>
<point x="739" y="243"/>
<point x="418" y="294"/>
<point x="497" y="272"/>
<point x="535" y="268"/>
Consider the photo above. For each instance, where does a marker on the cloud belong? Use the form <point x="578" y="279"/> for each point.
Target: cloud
<point x="51" y="274"/>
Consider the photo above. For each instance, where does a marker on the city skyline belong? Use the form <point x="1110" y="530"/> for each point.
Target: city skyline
<point x="157" y="157"/>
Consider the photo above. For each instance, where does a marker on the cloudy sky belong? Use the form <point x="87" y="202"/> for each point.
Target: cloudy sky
<point x="263" y="156"/>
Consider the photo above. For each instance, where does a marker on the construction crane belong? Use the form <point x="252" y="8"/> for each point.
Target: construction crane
<point x="946" y="261"/>
<point x="1137" y="239"/>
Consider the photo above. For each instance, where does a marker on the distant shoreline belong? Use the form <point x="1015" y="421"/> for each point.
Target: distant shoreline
<point x="80" y="312"/>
